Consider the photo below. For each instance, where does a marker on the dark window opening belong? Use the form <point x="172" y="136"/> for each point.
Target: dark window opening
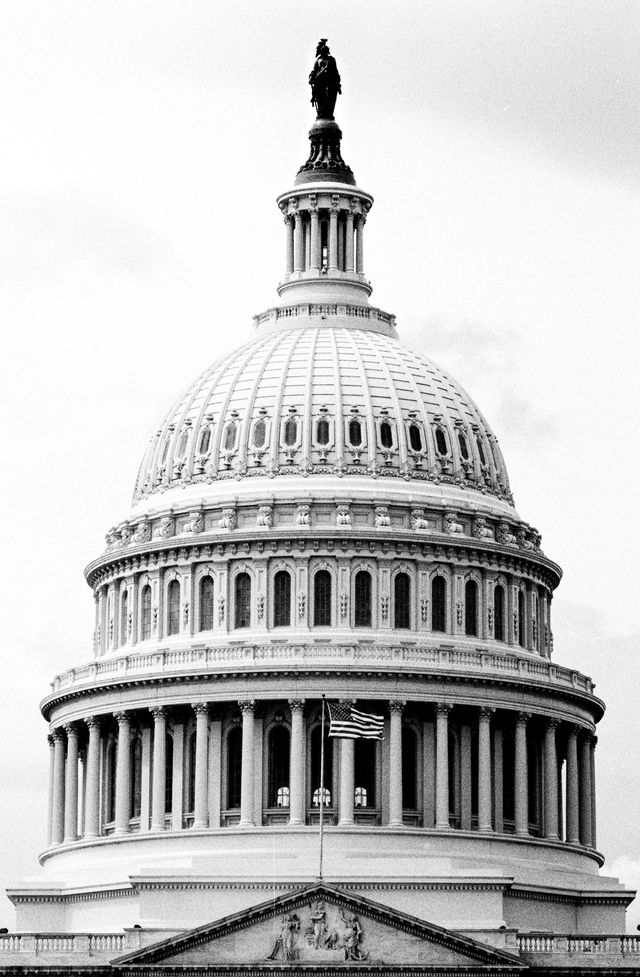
<point x="409" y="769"/>
<point x="259" y="434"/>
<point x="191" y="773"/>
<point x="278" y="795"/>
<point x="290" y="432"/>
<point x="355" y="433"/>
<point x="365" y="753"/>
<point x="205" y="441"/>
<point x="441" y="441"/>
<point x="316" y="734"/>
<point x="234" y="767"/>
<point x="363" y="599"/>
<point x="168" y="777"/>
<point x="324" y="246"/>
<point x="206" y="604"/>
<point x="471" y="608"/>
<point x="173" y="594"/>
<point x="243" y="600"/>
<point x="521" y="619"/>
<point x="483" y="460"/>
<point x="464" y="448"/>
<point x="322" y="431"/>
<point x="135" y="798"/>
<point x="322" y="599"/>
<point x="282" y="599"/>
<point x="438" y="604"/>
<point x="401" y="601"/>
<point x="110" y="782"/>
<point x="498" y="611"/>
<point x="146" y="613"/>
<point x="415" y="437"/>
<point x="124" y="617"/>
<point x="230" y="436"/>
<point x="386" y="435"/>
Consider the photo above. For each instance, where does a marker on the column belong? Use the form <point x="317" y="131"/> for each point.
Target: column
<point x="289" y="224"/>
<point x="50" y="794"/>
<point x="573" y="833"/>
<point x="585" y="791"/>
<point x="314" y="262"/>
<point x="551" y="780"/>
<point x="71" y="786"/>
<point x="177" y="777"/>
<point x="465" y="777"/>
<point x="123" y="774"/>
<point x="442" y="765"/>
<point x="349" y="250"/>
<point x="159" y="770"/>
<point x="298" y="244"/>
<point x="201" y="710"/>
<point x="92" y="805"/>
<point x="333" y="239"/>
<point x="296" y="763"/>
<point x="215" y="764"/>
<point x="347" y="784"/>
<point x="145" y="785"/>
<point x="428" y="775"/>
<point x="360" y="244"/>
<point x="484" y="770"/>
<point x="57" y="833"/>
<point x="246" y="781"/>
<point x="521" y="776"/>
<point x="395" y="763"/>
<point x="498" y="781"/>
<point x="594" y="842"/>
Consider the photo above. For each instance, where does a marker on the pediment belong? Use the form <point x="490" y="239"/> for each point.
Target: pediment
<point x="323" y="926"/>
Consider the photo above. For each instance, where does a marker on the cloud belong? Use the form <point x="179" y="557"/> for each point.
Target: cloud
<point x="628" y="871"/>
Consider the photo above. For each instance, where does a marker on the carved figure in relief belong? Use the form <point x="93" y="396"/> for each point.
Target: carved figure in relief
<point x="352" y="936"/>
<point x="343" y="516"/>
<point x="504" y="535"/>
<point x="451" y="527"/>
<point x="480" y="529"/>
<point x="418" y="519"/>
<point x="302" y="515"/>
<point x="142" y="532"/>
<point x="110" y="538"/>
<point x="220" y="608"/>
<point x="228" y="519"/>
<point x="126" y="533"/>
<point x="523" y="542"/>
<point x="286" y="942"/>
<point x="166" y="528"/>
<point x="382" y="516"/>
<point x="195" y="524"/>
<point x="320" y="936"/>
<point x="265" y="516"/>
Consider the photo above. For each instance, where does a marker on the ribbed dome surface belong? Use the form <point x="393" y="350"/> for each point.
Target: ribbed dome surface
<point x="324" y="399"/>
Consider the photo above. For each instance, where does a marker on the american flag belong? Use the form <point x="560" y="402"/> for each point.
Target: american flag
<point x="348" y="723"/>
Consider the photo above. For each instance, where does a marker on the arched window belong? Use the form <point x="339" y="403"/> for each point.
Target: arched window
<point x="173" y="617"/>
<point x="278" y="767"/>
<point x="471" y="608"/>
<point x="521" y="620"/>
<point x="355" y="433"/>
<point x="322" y="431"/>
<point x="386" y="435"/>
<point x="168" y="775"/>
<point x="282" y="599"/>
<point x="316" y="733"/>
<point x="498" y="612"/>
<point x="402" y="601"/>
<point x="415" y="437"/>
<point x="322" y="599"/>
<point x="182" y="445"/>
<point x="464" y="448"/>
<point x="365" y="773"/>
<point x="363" y="599"/>
<point x="206" y="603"/>
<point x="409" y="769"/>
<point x="438" y="604"/>
<point x="191" y="772"/>
<point x="205" y="441"/>
<point x="441" y="441"/>
<point x="110" y="781"/>
<point x="243" y="600"/>
<point x="135" y="803"/>
<point x="124" y="617"/>
<point x="483" y="460"/>
<point x="290" y="431"/>
<point x="230" y="436"/>
<point x="145" y="618"/>
<point x="260" y="433"/>
<point x="234" y="767"/>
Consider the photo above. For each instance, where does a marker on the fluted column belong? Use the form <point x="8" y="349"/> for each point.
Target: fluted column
<point x="50" y="794"/>
<point x="360" y="244"/>
<point x="521" y="776"/>
<point x="57" y="832"/>
<point x="92" y="791"/>
<point x="296" y="763"/>
<point x="585" y="791"/>
<point x="484" y="770"/>
<point x="246" y="781"/>
<point x="333" y="240"/>
<point x="573" y="829"/>
<point x="298" y="244"/>
<point x="159" y="769"/>
<point x="200" y="807"/>
<point x="395" y="763"/>
<point x="349" y="249"/>
<point x="123" y="773"/>
<point x="289" y="224"/>
<point x="347" y="783"/>
<point x="551" y="780"/>
<point x="71" y="786"/>
<point x="442" y="765"/>
<point x="314" y="261"/>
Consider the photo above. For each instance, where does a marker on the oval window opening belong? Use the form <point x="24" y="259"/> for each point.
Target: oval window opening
<point x="259" y="434"/>
<point x="464" y="449"/>
<point x="322" y="431"/>
<point x="182" y="445"/>
<point x="230" y="437"/>
<point x="415" y="437"/>
<point x="441" y="441"/>
<point x="290" y="432"/>
<point x="205" y="441"/>
<point x="481" y="451"/>
<point x="355" y="433"/>
<point x="386" y="435"/>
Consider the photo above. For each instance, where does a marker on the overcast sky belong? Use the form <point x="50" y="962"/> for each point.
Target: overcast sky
<point x="143" y="146"/>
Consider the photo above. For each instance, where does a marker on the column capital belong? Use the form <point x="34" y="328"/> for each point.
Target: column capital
<point x="486" y="712"/>
<point x="296" y="705"/>
<point x="50" y="740"/>
<point x="247" y="705"/>
<point x="70" y="729"/>
<point x="158" y="712"/>
<point x="397" y="706"/>
<point x="200" y="708"/>
<point x="122" y="718"/>
<point x="552" y="723"/>
<point x="92" y="722"/>
<point x="522" y="718"/>
<point x="594" y="740"/>
<point x="443" y="708"/>
<point x="573" y="730"/>
<point x="57" y="735"/>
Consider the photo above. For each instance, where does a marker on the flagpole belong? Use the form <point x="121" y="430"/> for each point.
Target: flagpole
<point x="321" y="790"/>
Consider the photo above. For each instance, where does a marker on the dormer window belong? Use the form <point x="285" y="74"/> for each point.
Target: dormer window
<point x="165" y="450"/>
<point x="322" y="431"/>
<point x="464" y="447"/>
<point x="355" y="433"/>
<point x="415" y="437"/>
<point x="260" y="433"/>
<point x="205" y="441"/>
<point x="181" y="450"/>
<point x="290" y="432"/>
<point x="483" y="460"/>
<point x="386" y="435"/>
<point x="230" y="436"/>
<point x="441" y="442"/>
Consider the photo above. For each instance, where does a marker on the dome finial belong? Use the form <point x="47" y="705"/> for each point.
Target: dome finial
<point x="325" y="81"/>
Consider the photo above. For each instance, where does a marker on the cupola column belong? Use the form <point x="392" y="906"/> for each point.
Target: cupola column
<point x="521" y="776"/>
<point x="442" y="765"/>
<point x="484" y="770"/>
<point x="573" y="832"/>
<point x="296" y="762"/>
<point x="50" y="795"/>
<point x="123" y="773"/>
<point x="349" y="249"/>
<point x="551" y="781"/>
<point x="159" y="772"/>
<point x="201" y="710"/>
<point x="361" y="221"/>
<point x="314" y="262"/>
<point x="585" y="791"/>
<point x="594" y="841"/>
<point x="333" y="239"/>
<point x="57" y="830"/>
<point x="246" y="780"/>
<point x="71" y="786"/>
<point x="298" y="244"/>
<point x="92" y="787"/>
<point x="347" y="781"/>
<point x="289" y="225"/>
<point x="395" y="763"/>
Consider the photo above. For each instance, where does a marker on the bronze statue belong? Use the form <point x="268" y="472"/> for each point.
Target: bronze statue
<point x="325" y="81"/>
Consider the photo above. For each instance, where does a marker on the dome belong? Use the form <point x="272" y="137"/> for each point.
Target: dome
<point x="315" y="398"/>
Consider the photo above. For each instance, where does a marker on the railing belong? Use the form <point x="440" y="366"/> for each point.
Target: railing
<point x="330" y="308"/>
<point x="575" y="944"/>
<point x="62" y="943"/>
<point x="202" y="658"/>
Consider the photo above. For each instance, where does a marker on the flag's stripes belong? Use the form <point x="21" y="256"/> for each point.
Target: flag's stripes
<point x="346" y="722"/>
